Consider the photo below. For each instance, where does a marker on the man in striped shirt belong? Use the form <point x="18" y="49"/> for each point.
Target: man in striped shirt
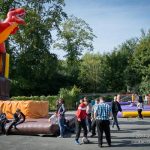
<point x="102" y="113"/>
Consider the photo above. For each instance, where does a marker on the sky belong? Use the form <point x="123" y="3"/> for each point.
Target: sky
<point x="112" y="21"/>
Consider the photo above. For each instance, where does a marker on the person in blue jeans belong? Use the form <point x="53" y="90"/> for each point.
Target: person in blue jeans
<point x="61" y="117"/>
<point x="116" y="107"/>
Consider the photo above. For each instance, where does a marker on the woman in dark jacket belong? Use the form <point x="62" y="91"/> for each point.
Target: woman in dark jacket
<point x="61" y="117"/>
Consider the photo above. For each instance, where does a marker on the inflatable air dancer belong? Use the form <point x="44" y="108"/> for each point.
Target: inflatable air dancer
<point x="8" y="26"/>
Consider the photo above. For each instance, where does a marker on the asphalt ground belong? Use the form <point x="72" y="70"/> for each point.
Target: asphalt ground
<point x="134" y="134"/>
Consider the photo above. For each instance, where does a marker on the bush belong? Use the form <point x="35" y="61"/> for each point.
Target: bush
<point x="70" y="96"/>
<point x="145" y="87"/>
<point x="52" y="102"/>
<point x="108" y="98"/>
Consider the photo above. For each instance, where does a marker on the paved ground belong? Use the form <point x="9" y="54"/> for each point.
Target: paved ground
<point x="134" y="134"/>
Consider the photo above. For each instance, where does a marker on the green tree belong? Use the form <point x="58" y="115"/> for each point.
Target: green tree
<point x="141" y="56"/>
<point x="120" y="61"/>
<point x="33" y="64"/>
<point x="75" y="36"/>
<point x="130" y="77"/>
<point x="93" y="73"/>
<point x="141" y="62"/>
<point x="116" y="63"/>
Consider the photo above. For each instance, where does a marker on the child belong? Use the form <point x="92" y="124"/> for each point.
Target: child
<point x="53" y="119"/>
<point x="140" y="108"/>
<point x="19" y="118"/>
<point x="3" y="121"/>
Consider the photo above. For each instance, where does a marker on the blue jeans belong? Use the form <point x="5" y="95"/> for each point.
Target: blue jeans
<point x="115" y="120"/>
<point x="61" y="121"/>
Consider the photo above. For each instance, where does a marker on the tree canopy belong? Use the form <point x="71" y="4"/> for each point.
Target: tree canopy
<point x="36" y="70"/>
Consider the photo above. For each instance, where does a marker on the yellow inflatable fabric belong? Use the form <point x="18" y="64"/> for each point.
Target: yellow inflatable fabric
<point x="31" y="109"/>
<point x="127" y="114"/>
<point x="5" y="34"/>
<point x="7" y="66"/>
<point x="1" y="63"/>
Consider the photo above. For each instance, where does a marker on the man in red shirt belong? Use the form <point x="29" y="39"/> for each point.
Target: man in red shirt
<point x="81" y="121"/>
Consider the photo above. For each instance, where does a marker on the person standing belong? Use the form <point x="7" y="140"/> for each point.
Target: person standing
<point x="93" y="126"/>
<point x="61" y="117"/>
<point x="88" y="111"/>
<point x="81" y="121"/>
<point x="102" y="113"/>
<point x="57" y="105"/>
<point x="146" y="99"/>
<point x="140" y="98"/>
<point x="140" y="108"/>
<point x="116" y="107"/>
<point x="93" y="101"/>
<point x="136" y="98"/>
<point x="133" y="98"/>
<point x="118" y="97"/>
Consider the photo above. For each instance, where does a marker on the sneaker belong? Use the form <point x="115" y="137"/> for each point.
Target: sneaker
<point x="92" y="135"/>
<point x="77" y="142"/>
<point x="118" y="128"/>
<point x="60" y="136"/>
<point x="85" y="140"/>
<point x="100" y="145"/>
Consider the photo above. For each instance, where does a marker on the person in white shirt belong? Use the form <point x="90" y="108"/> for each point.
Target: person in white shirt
<point x="140" y="108"/>
<point x="146" y="99"/>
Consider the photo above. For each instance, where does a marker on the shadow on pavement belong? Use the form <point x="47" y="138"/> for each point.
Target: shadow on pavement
<point x="140" y="122"/>
<point x="130" y="143"/>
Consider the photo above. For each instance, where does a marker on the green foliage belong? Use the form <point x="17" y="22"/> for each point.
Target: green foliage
<point x="142" y="56"/>
<point x="32" y="65"/>
<point x="141" y="62"/>
<point x="34" y="70"/>
<point x="52" y="102"/>
<point x="145" y="87"/>
<point x="93" y="73"/>
<point x="75" y="37"/>
<point x="125" y="69"/>
<point x="70" y="96"/>
<point x="108" y="98"/>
